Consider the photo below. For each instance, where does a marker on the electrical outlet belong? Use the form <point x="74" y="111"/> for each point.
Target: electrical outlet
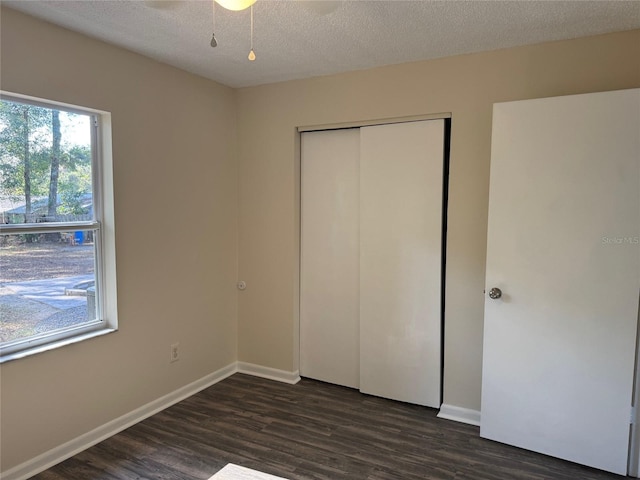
<point x="175" y="354"/>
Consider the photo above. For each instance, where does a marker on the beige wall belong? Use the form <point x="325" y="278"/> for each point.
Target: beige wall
<point x="466" y="86"/>
<point x="176" y="236"/>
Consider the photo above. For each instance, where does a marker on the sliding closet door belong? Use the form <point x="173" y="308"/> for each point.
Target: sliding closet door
<point x="401" y="168"/>
<point x="329" y="276"/>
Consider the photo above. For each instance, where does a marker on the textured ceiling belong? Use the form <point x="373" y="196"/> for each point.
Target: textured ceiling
<point x="304" y="38"/>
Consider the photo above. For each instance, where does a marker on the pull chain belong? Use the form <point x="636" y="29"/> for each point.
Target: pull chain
<point x="252" y="54"/>
<point x="214" y="42"/>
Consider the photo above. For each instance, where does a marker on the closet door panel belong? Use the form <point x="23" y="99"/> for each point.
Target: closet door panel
<point x="401" y="169"/>
<point x="329" y="276"/>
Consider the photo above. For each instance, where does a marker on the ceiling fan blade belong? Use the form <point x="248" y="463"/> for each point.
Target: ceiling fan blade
<point x="162" y="4"/>
<point x="321" y="7"/>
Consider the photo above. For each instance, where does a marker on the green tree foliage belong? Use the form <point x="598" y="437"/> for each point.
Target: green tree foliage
<point x="38" y="162"/>
<point x="22" y="168"/>
<point x="75" y="180"/>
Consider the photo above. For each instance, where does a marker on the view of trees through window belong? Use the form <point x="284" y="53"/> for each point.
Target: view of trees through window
<point x="47" y="275"/>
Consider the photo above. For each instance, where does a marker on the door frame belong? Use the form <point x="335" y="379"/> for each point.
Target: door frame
<point x="633" y="467"/>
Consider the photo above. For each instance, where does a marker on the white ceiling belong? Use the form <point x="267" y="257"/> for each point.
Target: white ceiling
<point x="305" y="38"/>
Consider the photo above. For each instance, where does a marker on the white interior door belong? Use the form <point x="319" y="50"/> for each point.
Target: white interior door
<point x="401" y="167"/>
<point x="564" y="215"/>
<point x="329" y="276"/>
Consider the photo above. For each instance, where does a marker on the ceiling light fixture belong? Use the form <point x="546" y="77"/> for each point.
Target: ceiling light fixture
<point x="234" y="5"/>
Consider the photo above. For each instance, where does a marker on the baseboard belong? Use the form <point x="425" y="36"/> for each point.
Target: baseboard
<point x="268" y="372"/>
<point x="58" y="454"/>
<point x="459" y="414"/>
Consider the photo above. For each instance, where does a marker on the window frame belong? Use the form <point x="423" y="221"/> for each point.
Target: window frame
<point x="103" y="226"/>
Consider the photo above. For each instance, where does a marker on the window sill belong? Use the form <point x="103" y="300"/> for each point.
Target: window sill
<point x="27" y="352"/>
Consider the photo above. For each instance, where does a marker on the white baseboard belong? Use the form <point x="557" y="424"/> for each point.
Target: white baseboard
<point x="58" y="454"/>
<point x="459" y="414"/>
<point x="268" y="372"/>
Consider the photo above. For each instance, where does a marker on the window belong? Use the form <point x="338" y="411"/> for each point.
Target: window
<point x="57" y="246"/>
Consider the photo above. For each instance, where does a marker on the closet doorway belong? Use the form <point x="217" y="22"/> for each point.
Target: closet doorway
<point x="373" y="218"/>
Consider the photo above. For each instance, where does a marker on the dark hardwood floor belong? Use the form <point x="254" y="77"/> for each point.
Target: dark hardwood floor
<point x="311" y="430"/>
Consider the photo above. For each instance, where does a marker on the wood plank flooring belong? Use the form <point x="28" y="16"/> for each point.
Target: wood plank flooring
<point x="311" y="430"/>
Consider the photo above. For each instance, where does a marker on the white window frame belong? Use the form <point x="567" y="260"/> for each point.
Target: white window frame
<point x="103" y="226"/>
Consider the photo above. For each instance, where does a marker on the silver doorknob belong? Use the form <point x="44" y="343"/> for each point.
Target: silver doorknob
<point x="495" y="293"/>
